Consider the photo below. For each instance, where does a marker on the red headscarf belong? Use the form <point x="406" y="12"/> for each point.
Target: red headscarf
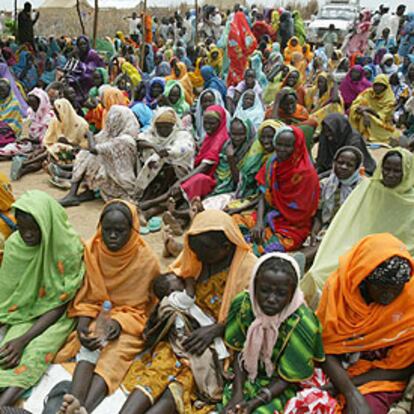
<point x="292" y="188"/>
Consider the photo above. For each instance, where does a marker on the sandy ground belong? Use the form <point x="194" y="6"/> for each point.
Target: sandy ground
<point x="85" y="217"/>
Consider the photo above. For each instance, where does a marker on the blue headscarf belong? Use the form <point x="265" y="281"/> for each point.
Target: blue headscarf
<point x="31" y="77"/>
<point x="212" y="81"/>
<point x="49" y="76"/>
<point x="163" y="69"/>
<point x="143" y="114"/>
<point x="153" y="103"/>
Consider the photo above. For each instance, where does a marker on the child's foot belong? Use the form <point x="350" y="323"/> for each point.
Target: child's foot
<point x="196" y="207"/>
<point x="71" y="405"/>
<point x="171" y="247"/>
<point x="170" y="220"/>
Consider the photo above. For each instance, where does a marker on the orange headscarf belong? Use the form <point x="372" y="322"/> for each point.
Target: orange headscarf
<point x="110" y="97"/>
<point x="351" y="325"/>
<point x="185" y="81"/>
<point x="188" y="265"/>
<point x="123" y="277"/>
<point x="290" y="49"/>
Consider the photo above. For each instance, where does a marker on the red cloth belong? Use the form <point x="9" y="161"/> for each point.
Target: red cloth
<point x="240" y="45"/>
<point x="261" y="28"/>
<point x="200" y="185"/>
<point x="381" y="402"/>
<point x="292" y="188"/>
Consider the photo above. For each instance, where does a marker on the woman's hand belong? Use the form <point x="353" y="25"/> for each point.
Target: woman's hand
<point x="201" y="339"/>
<point x="114" y="330"/>
<point x="357" y="404"/>
<point x="230" y="151"/>
<point x="85" y="336"/>
<point x="162" y="152"/>
<point x="236" y="399"/>
<point x="11" y="353"/>
<point x="257" y="232"/>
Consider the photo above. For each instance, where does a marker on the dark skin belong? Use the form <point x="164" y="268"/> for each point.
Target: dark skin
<point x="83" y="47"/>
<point x="382" y="294"/>
<point x="87" y="386"/>
<point x="284" y="148"/>
<point x="365" y="111"/>
<point x="4" y="89"/>
<point x="292" y="78"/>
<point x="97" y="79"/>
<point x="156" y="90"/>
<point x="392" y="171"/>
<point x="238" y="134"/>
<point x="207" y="99"/>
<point x="248" y="99"/>
<point x="274" y="289"/>
<point x="34" y="102"/>
<point x="11" y="352"/>
<point x="355" y="75"/>
<point x="175" y="95"/>
<point x="164" y="129"/>
<point x="286" y="101"/>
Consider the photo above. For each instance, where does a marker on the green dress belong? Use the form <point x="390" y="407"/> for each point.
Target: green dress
<point x="299" y="345"/>
<point x="35" y="280"/>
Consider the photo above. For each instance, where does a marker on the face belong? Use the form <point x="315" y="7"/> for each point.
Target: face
<point x="83" y="46"/>
<point x="355" y="75"/>
<point x="383" y="294"/>
<point x="292" y="79"/>
<point x="274" y="290"/>
<point x="238" y="133"/>
<point x="164" y="129"/>
<point x="156" y="90"/>
<point x="322" y="83"/>
<point x="33" y="102"/>
<point x="392" y="171"/>
<point x="207" y="250"/>
<point x="28" y="228"/>
<point x="4" y="90"/>
<point x="379" y="88"/>
<point x="116" y="230"/>
<point x="288" y="104"/>
<point x="285" y="145"/>
<point x="210" y="123"/>
<point x="207" y="100"/>
<point x="345" y="165"/>
<point x="70" y="94"/>
<point x="294" y="42"/>
<point x="386" y="33"/>
<point x="97" y="79"/>
<point x="266" y="139"/>
<point x="175" y="95"/>
<point x="389" y="62"/>
<point x="248" y="100"/>
<point x="250" y="79"/>
<point x="394" y="79"/>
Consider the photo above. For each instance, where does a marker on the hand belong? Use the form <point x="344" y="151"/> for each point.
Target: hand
<point x="357" y="404"/>
<point x="11" y="353"/>
<point x="257" y="233"/>
<point x="62" y="140"/>
<point x="114" y="330"/>
<point x="245" y="407"/>
<point x="233" y="403"/>
<point x="200" y="339"/>
<point x="88" y="340"/>
<point x="162" y="152"/>
<point x="230" y="151"/>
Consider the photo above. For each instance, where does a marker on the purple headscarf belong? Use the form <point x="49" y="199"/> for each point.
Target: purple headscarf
<point x="6" y="74"/>
<point x="350" y="89"/>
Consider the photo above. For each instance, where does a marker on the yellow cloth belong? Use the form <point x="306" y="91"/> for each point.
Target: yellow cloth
<point x="6" y="201"/>
<point x="132" y="72"/>
<point x="216" y="63"/>
<point x="185" y="81"/>
<point x="110" y="97"/>
<point x="195" y="77"/>
<point x="289" y="49"/>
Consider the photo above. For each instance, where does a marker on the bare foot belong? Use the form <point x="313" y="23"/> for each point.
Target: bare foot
<point x="196" y="207"/>
<point x="69" y="201"/>
<point x="71" y="405"/>
<point x="174" y="224"/>
<point x="171" y="247"/>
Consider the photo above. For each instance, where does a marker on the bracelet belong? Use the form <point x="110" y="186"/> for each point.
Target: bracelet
<point x="268" y="395"/>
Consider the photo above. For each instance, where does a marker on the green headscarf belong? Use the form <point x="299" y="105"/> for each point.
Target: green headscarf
<point x="181" y="106"/>
<point x="35" y="280"/>
<point x="300" y="27"/>
<point x="94" y="91"/>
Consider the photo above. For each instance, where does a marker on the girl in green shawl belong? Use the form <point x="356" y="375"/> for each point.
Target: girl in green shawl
<point x="41" y="271"/>
<point x="100" y="77"/>
<point x="174" y="92"/>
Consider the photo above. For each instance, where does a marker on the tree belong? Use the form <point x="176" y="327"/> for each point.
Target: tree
<point x="95" y="23"/>
<point x="78" y="9"/>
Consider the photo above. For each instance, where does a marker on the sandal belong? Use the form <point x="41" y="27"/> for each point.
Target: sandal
<point x="154" y="224"/>
<point x="54" y="400"/>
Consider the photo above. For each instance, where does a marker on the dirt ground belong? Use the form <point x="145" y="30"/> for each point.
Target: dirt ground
<point x="83" y="218"/>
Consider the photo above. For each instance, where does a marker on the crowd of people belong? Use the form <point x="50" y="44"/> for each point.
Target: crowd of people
<point x="256" y="154"/>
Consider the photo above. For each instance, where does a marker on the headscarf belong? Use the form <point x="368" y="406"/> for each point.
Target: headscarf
<point x="313" y="100"/>
<point x="10" y="112"/>
<point x="212" y="81"/>
<point x="41" y="118"/>
<point x="105" y="79"/>
<point x="132" y="72"/>
<point x="153" y="103"/>
<point x="123" y="277"/>
<point x="163" y="69"/>
<point x="187" y="264"/>
<point x="350" y="325"/>
<point x="35" y="280"/>
<point x="6" y="74"/>
<point x="357" y="219"/>
<point x="7" y="219"/>
<point x="49" y="76"/>
<point x="111" y="96"/>
<point x="181" y="106"/>
<point x="71" y="126"/>
<point x="255" y="114"/>
<point x="217" y="63"/>
<point x="345" y="135"/>
<point x="300" y="27"/>
<point x="350" y="89"/>
<point x="144" y="115"/>
<point x="290" y="49"/>
<point x="263" y="333"/>
<point x="372" y="69"/>
<point x="256" y="64"/>
<point x="184" y="80"/>
<point x="31" y="77"/>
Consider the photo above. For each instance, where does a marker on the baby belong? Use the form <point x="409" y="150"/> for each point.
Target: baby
<point x="174" y="319"/>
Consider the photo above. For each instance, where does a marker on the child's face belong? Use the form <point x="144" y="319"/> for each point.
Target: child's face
<point x="175" y="284"/>
<point x="28" y="228"/>
<point x="345" y="165"/>
<point x="116" y="230"/>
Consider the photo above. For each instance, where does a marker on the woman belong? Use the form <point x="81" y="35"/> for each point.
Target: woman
<point x="218" y="257"/>
<point x="212" y="81"/>
<point x="372" y="112"/>
<point x="100" y="77"/>
<point x="119" y="269"/>
<point x="175" y="95"/>
<point x="389" y="190"/>
<point x="215" y="59"/>
<point x="250" y="107"/>
<point x="323" y="98"/>
<point x="155" y="90"/>
<point x="407" y="36"/>
<point x="165" y="144"/>
<point x="256" y="63"/>
<point x="11" y="116"/>
<point x="293" y="45"/>
<point x="369" y="358"/>
<point x="109" y="164"/>
<point x="353" y="84"/>
<point x="7" y="219"/>
<point x="26" y="71"/>
<point x="18" y="94"/>
<point x="110" y="96"/>
<point x="132" y="73"/>
<point x="276" y="342"/>
<point x="289" y="200"/>
<point x="388" y="65"/>
<point x="42" y="270"/>
<point x="180" y="74"/>
<point x="336" y="133"/>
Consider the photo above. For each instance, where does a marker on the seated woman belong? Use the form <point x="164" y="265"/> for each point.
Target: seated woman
<point x="11" y="114"/>
<point x="250" y="107"/>
<point x="155" y="90"/>
<point x="218" y="257"/>
<point x="26" y="71"/>
<point x="175" y="98"/>
<point x="143" y="114"/>
<point x="336" y="133"/>
<point x="290" y="195"/>
<point x="213" y="82"/>
<point x="354" y="83"/>
<point x="275" y="337"/>
<point x="120" y="268"/>
<point x="371" y="114"/>
<point x="369" y="350"/>
<point x="391" y="189"/>
<point x="180" y="74"/>
<point x="323" y="98"/>
<point x="7" y="219"/>
<point x="42" y="270"/>
<point x="100" y="77"/>
<point x="165" y="145"/>
<point x="109" y="163"/>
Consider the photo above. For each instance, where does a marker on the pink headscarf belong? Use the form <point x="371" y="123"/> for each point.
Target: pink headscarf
<point x="351" y="89"/>
<point x="263" y="333"/>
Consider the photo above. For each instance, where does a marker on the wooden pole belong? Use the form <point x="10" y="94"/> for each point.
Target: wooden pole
<point x="95" y="23"/>
<point x="196" y="23"/>
<point x="80" y="16"/>
<point x="144" y="34"/>
<point x="16" y="23"/>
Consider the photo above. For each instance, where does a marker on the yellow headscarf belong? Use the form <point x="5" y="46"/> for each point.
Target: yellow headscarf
<point x="130" y="70"/>
<point x="6" y="201"/>
<point x="216" y="63"/>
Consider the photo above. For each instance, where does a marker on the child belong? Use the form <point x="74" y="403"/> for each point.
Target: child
<point x="174" y="319"/>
